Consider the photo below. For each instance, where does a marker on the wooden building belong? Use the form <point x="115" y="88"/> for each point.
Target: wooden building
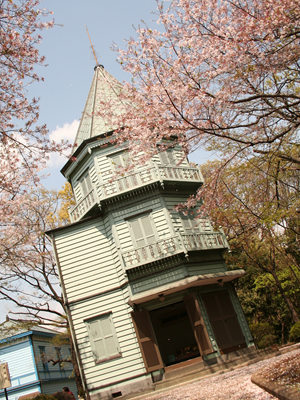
<point x="145" y="286"/>
<point x="28" y="355"/>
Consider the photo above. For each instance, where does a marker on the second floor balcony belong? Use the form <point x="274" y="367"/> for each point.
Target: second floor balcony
<point x="180" y="243"/>
<point x="133" y="180"/>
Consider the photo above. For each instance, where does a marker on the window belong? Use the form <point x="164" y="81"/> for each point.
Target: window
<point x="191" y="224"/>
<point x="142" y="230"/>
<point x="43" y="358"/>
<point x="103" y="338"/>
<point x="120" y="160"/>
<point x="85" y="183"/>
<point x="167" y="157"/>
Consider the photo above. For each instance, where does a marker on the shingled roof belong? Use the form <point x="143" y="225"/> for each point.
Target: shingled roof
<point x="105" y="89"/>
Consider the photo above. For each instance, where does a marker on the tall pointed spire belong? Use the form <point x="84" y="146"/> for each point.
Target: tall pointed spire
<point x="105" y="89"/>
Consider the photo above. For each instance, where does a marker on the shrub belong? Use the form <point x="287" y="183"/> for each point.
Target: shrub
<point x="263" y="334"/>
<point x="43" y="397"/>
<point x="267" y="341"/>
<point x="295" y="332"/>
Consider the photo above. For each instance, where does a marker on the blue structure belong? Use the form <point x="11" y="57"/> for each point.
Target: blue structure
<point x="28" y="355"/>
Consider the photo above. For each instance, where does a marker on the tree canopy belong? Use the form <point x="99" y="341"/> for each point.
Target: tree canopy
<point x="221" y="75"/>
<point x="24" y="145"/>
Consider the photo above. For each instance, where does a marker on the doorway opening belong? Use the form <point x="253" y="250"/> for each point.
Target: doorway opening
<point x="174" y="333"/>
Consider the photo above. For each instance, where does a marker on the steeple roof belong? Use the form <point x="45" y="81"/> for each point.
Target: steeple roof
<point x="105" y="89"/>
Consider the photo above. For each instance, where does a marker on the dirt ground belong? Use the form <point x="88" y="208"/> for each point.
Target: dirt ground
<point x="233" y="385"/>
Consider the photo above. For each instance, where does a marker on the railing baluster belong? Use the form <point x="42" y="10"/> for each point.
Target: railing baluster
<point x="165" y="247"/>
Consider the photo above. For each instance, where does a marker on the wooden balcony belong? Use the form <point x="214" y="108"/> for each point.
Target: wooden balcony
<point x="181" y="243"/>
<point x="161" y="173"/>
<point x="133" y="180"/>
<point x="83" y="206"/>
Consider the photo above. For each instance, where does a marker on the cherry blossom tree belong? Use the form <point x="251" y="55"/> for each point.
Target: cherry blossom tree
<point x="221" y="75"/>
<point x="24" y="146"/>
<point x="29" y="284"/>
<point x="29" y="278"/>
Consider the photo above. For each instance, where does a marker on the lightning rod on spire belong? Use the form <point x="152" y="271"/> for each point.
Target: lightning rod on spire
<point x="94" y="53"/>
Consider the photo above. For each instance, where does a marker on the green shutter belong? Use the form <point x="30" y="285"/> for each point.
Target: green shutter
<point x="167" y="157"/>
<point x="103" y="339"/>
<point x="142" y="230"/>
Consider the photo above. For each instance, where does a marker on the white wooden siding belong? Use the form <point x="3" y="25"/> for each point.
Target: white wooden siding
<point x="88" y="259"/>
<point x="131" y="362"/>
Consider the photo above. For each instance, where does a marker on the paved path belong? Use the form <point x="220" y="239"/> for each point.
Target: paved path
<point x="233" y="385"/>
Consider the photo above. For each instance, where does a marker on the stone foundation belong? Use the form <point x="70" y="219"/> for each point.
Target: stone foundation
<point x="123" y="389"/>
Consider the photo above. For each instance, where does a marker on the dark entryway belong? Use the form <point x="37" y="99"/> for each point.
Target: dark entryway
<point x="171" y="334"/>
<point x="174" y="333"/>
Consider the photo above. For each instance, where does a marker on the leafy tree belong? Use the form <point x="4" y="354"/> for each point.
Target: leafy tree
<point x="259" y="216"/>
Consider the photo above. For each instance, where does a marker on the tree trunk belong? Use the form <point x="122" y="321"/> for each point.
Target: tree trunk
<point x="77" y="376"/>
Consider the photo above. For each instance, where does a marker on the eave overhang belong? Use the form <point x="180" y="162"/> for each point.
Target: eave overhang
<point x="193" y="281"/>
<point x="84" y="148"/>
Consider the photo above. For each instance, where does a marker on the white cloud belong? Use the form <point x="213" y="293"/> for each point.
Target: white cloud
<point x="65" y="132"/>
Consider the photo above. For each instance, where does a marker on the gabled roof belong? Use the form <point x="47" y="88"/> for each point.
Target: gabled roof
<point x="105" y="89"/>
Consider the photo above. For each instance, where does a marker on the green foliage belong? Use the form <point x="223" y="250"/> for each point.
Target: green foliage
<point x="295" y="332"/>
<point x="62" y="396"/>
<point x="267" y="341"/>
<point x="263" y="334"/>
<point x="43" y="397"/>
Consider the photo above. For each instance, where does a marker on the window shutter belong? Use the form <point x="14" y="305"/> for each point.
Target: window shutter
<point x="120" y="159"/>
<point x="116" y="161"/>
<point x="96" y="340"/>
<point x="205" y="225"/>
<point x="103" y="339"/>
<point x="146" y="339"/>
<point x="142" y="230"/>
<point x="147" y="229"/>
<point x="137" y="233"/>
<point x="167" y="157"/>
<point x="109" y="338"/>
<point x="86" y="183"/>
<point x="187" y="224"/>
<point x="198" y="324"/>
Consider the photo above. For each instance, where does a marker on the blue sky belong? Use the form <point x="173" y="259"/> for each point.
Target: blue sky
<point x="70" y="61"/>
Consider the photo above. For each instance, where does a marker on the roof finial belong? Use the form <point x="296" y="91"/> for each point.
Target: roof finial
<point x="92" y="46"/>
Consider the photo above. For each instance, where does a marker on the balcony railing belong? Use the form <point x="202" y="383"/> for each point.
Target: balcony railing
<point x="83" y="206"/>
<point x="173" y="245"/>
<point x="148" y="175"/>
<point x="133" y="180"/>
